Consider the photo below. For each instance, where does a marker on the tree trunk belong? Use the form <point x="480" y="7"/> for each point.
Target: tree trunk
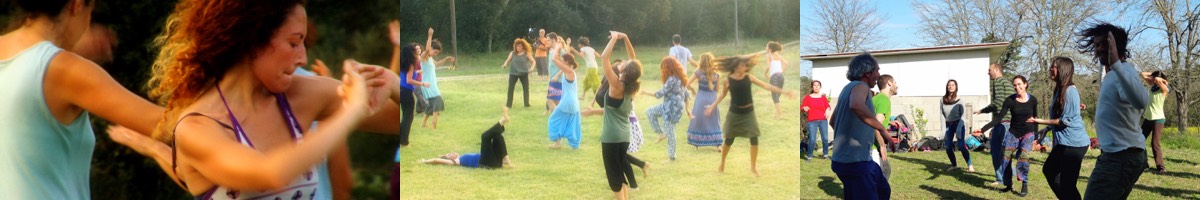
<point x="1181" y="110"/>
<point x="489" y="41"/>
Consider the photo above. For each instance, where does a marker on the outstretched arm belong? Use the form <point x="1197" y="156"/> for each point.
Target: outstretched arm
<point x="394" y="30"/>
<point x="770" y="87"/>
<point x="507" y="60"/>
<point x="614" y="85"/>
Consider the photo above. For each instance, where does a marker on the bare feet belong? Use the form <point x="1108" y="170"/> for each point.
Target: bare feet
<point x="970" y="168"/>
<point x="504" y="118"/>
<point x="755" y="171"/>
<point x="556" y="145"/>
<point x="661" y="137"/>
<point x="644" y="169"/>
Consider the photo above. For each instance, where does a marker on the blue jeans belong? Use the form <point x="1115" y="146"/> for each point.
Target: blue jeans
<point x="956" y="130"/>
<point x="818" y="127"/>
<point x="996" y="140"/>
<point x="862" y="180"/>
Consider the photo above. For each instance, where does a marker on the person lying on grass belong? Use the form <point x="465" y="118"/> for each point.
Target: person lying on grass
<point x="493" y="153"/>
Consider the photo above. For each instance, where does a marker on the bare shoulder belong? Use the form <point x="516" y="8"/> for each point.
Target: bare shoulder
<point x="310" y="96"/>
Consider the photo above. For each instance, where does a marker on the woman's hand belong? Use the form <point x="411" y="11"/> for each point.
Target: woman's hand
<point x="354" y="91"/>
<point x="708" y="110"/>
<point x="379" y="85"/>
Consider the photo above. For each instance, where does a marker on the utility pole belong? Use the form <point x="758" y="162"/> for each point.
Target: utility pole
<point x="737" y="35"/>
<point x="454" y="32"/>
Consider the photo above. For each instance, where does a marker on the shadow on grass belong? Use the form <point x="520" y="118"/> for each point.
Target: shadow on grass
<point x="830" y="188"/>
<point x="1170" y="192"/>
<point x="948" y="194"/>
<point x="936" y="169"/>
<point x="1180" y="161"/>
<point x="1175" y="174"/>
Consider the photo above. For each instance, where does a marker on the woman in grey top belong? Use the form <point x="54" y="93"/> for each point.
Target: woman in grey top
<point x="522" y="62"/>
<point x="952" y="114"/>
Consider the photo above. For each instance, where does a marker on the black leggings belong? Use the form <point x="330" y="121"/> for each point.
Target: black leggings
<point x="753" y="141"/>
<point x="1062" y="170"/>
<point x="492" y="148"/>
<point x="616" y="165"/>
<point x="407" y="103"/>
<point x="629" y="170"/>
<point x="512" y="83"/>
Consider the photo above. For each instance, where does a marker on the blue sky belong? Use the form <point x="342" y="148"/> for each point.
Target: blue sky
<point x="899" y="25"/>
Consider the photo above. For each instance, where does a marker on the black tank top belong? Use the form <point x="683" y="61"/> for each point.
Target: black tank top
<point x="740" y="95"/>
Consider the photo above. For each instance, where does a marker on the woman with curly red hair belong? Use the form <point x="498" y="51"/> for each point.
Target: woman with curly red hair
<point x="225" y="74"/>
<point x="664" y="116"/>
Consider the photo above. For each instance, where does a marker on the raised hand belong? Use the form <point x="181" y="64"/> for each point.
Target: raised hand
<point x="431" y="30"/>
<point x="394" y="32"/>
<point x="1113" y="55"/>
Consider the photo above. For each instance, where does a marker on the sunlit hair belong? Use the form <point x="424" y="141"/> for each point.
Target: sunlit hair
<point x="1087" y="41"/>
<point x="201" y="40"/>
<point x="524" y="45"/>
<point x="1066" y="70"/>
<point x="774" y="46"/>
<point x="730" y="64"/>
<point x="708" y="66"/>
<point x="671" y="68"/>
<point x="860" y="66"/>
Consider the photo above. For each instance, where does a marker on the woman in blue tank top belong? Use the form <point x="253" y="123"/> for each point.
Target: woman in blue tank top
<point x="47" y="138"/>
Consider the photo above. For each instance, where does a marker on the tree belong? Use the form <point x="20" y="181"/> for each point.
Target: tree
<point x="960" y="22"/>
<point x="1178" y="23"/>
<point x="845" y="26"/>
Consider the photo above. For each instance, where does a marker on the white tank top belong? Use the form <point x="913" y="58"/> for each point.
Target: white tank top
<point x="776" y="67"/>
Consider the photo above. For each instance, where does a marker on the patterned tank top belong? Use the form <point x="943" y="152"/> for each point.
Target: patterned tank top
<point x="303" y="187"/>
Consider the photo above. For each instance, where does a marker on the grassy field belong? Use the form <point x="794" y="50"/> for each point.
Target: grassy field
<point x="474" y="102"/>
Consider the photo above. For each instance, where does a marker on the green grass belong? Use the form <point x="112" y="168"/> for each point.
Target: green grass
<point x="541" y="173"/>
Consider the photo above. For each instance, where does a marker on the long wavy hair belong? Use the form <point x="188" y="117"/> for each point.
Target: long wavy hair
<point x="631" y="75"/>
<point x="203" y="39"/>
<point x="1062" y="81"/>
<point x="409" y="57"/>
<point x="708" y="66"/>
<point x="730" y="64"/>
<point x="671" y="68"/>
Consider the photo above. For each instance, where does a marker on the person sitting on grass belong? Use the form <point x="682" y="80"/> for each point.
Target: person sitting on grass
<point x="493" y="153"/>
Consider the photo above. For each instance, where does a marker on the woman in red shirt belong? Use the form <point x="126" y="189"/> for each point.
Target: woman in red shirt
<point x="816" y="105"/>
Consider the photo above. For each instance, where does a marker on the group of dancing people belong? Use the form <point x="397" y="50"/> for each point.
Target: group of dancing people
<point x="236" y="123"/>
<point x="1129" y="114"/>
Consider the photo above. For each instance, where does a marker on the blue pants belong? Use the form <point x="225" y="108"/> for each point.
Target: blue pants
<point x="956" y="130"/>
<point x="862" y="180"/>
<point x="814" y="128"/>
<point x="996" y="140"/>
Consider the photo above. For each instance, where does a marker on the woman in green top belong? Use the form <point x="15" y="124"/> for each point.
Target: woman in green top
<point x="618" y="104"/>
<point x="1153" y="118"/>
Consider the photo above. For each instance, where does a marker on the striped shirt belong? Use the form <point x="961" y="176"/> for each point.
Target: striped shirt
<point x="1001" y="89"/>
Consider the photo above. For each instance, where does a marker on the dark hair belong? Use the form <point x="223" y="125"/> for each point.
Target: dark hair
<point x="676" y="39"/>
<point x="814" y="83"/>
<point x="569" y="60"/>
<point x="630" y="76"/>
<point x="774" y="46"/>
<point x="1157" y="74"/>
<point x="29" y="9"/>
<point x="1023" y="80"/>
<point x="730" y="64"/>
<point x="1088" y="44"/>
<point x="203" y="39"/>
<point x="860" y="65"/>
<point x="435" y="44"/>
<point x="584" y="41"/>
<point x="1066" y="70"/>
<point x="950" y="97"/>
<point x="883" y="80"/>
<point x="408" y="57"/>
